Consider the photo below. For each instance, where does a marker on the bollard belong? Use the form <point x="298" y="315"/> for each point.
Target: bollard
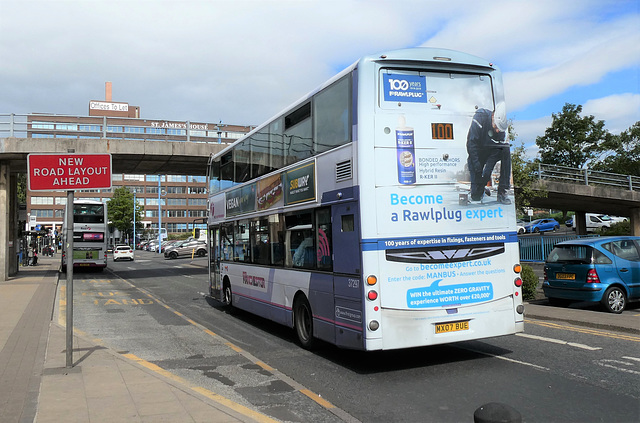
<point x="494" y="412"/>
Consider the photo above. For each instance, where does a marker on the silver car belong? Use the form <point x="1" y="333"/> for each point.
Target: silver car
<point x="186" y="248"/>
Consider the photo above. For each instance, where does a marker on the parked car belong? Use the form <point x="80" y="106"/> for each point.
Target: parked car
<point x="122" y="252"/>
<point x="602" y="269"/>
<point x="569" y="222"/>
<point x="167" y="244"/>
<point x="186" y="248"/>
<point x="596" y="221"/>
<point x="520" y="226"/>
<point x="542" y="225"/>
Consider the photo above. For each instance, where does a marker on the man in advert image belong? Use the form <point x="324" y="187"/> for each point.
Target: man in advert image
<point x="486" y="145"/>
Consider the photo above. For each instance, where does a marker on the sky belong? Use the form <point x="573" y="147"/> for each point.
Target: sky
<point x="242" y="61"/>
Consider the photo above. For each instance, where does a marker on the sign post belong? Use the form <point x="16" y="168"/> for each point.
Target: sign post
<point x="68" y="172"/>
<point x="69" y="249"/>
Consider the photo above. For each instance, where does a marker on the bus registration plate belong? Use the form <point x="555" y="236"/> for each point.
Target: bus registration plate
<point x="452" y="327"/>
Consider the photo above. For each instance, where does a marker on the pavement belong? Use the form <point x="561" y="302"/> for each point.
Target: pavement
<point x="102" y="385"/>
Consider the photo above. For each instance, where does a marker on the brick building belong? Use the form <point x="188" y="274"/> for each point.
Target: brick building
<point x="182" y="198"/>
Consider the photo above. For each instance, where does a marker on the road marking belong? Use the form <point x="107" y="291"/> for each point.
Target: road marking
<point x="256" y="415"/>
<point x="524" y="363"/>
<point x="213" y="396"/>
<point x="558" y="341"/>
<point x="632" y="358"/>
<point x="317" y="398"/>
<point x="614" y="364"/>
<point x="584" y="330"/>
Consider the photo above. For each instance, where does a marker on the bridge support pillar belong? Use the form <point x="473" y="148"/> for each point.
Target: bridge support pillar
<point x="8" y="222"/>
<point x="635" y="221"/>
<point x="581" y="222"/>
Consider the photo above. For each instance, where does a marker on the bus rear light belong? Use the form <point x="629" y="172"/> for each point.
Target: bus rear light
<point x="372" y="280"/>
<point x="372" y="295"/>
<point x="374" y="325"/>
<point x="517" y="268"/>
<point x="518" y="282"/>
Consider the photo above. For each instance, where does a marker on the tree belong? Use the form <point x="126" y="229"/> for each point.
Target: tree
<point x="622" y="153"/>
<point x="523" y="172"/>
<point x="572" y="140"/>
<point x="120" y="210"/>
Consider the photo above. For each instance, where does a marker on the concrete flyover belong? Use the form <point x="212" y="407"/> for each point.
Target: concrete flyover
<point x="128" y="156"/>
<point x="588" y="191"/>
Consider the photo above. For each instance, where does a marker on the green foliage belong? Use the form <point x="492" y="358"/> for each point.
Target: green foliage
<point x="523" y="172"/>
<point x="524" y="178"/>
<point x="530" y="282"/>
<point x="120" y="210"/>
<point x="572" y="140"/>
<point x="22" y="188"/>
<point x="620" y="228"/>
<point x="622" y="153"/>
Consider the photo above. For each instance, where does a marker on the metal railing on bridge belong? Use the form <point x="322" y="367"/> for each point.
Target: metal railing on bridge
<point x="87" y="127"/>
<point x="537" y="248"/>
<point x="587" y="177"/>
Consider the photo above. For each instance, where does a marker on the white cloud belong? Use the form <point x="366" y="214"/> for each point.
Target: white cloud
<point x="619" y="111"/>
<point x="241" y="61"/>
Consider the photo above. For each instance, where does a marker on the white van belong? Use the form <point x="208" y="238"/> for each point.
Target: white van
<point x="595" y="221"/>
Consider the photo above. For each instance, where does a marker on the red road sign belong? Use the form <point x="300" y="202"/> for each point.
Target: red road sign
<point x="68" y="172"/>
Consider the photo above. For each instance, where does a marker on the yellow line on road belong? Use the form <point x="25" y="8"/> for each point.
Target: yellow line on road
<point x="235" y="406"/>
<point x="233" y="347"/>
<point x="588" y="331"/>
<point x="213" y="396"/>
<point x="317" y="398"/>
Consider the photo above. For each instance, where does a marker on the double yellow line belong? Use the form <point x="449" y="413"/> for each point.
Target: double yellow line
<point x="588" y="331"/>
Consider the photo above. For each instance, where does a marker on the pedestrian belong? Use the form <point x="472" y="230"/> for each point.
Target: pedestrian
<point x="35" y="256"/>
<point x="486" y="145"/>
<point x="29" y="256"/>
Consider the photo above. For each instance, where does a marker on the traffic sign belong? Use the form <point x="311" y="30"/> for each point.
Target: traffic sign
<point x="67" y="172"/>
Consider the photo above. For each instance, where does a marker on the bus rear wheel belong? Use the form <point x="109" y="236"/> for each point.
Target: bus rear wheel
<point x="227" y="296"/>
<point x="303" y="323"/>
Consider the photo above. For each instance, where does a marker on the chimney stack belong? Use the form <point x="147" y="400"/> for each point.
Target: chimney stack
<point x="107" y="91"/>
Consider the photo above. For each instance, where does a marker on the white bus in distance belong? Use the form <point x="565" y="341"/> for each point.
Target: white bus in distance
<point x="345" y="216"/>
<point x="90" y="234"/>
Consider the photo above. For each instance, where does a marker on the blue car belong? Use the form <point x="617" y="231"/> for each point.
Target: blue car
<point x="542" y="225"/>
<point x="603" y="269"/>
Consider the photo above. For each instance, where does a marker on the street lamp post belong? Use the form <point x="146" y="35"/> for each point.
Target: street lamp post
<point x="159" y="215"/>
<point x="135" y="209"/>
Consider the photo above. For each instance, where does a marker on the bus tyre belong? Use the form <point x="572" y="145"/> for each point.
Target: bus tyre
<point x="227" y="296"/>
<point x="303" y="323"/>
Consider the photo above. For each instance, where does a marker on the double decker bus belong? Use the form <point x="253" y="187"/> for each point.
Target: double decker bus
<point x="348" y="216"/>
<point x="90" y="233"/>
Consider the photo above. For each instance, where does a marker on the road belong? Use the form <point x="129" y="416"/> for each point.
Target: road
<point x="157" y="310"/>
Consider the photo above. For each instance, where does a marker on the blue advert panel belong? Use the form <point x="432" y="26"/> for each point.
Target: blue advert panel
<point x="449" y="295"/>
<point x="399" y="87"/>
